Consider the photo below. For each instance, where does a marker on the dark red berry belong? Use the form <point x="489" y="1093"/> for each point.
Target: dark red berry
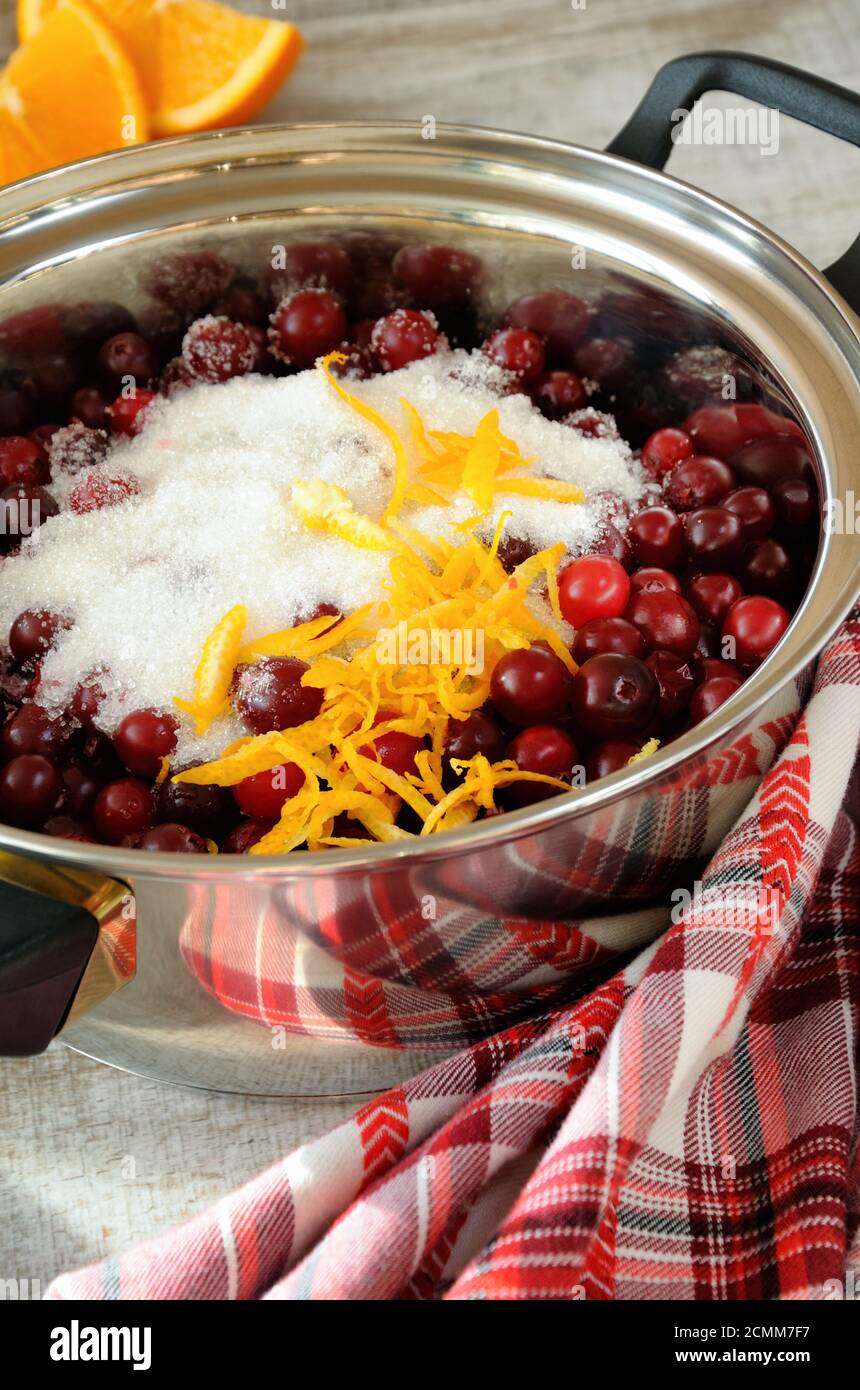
<point x="714" y="537"/>
<point x="269" y="695"/>
<point x="665" y="619"/>
<point x="127" y="359"/>
<point x="664" y="449"/>
<point x="23" y="461"/>
<point x="766" y="462"/>
<point x="437" y="274"/>
<point x="795" y="501"/>
<point x="127" y="414"/>
<point x="210" y="811"/>
<point x="698" y="482"/>
<point x="89" y="407"/>
<point x="558" y="393"/>
<point x="755" y="624"/>
<point x="405" y="336"/>
<point x="767" y="568"/>
<point x="613" y="543"/>
<point x="307" y="265"/>
<point x="124" y="807"/>
<point x="31" y="729"/>
<point x="516" y="350"/>
<point x="614" y="695"/>
<point x="530" y="686"/>
<point x="608" y="361"/>
<point x="30" y="787"/>
<point x="607" y="635"/>
<point x="675" y="682"/>
<point x="170" y="838"/>
<point x="710" y="695"/>
<point x="244" y="835"/>
<point x="544" y="749"/>
<point x="610" y="757"/>
<point x="263" y="795"/>
<point x="478" y="733"/>
<point x="754" y="507"/>
<point x="559" y="318"/>
<point x="217" y="349"/>
<point x="33" y="632"/>
<point x="712" y="595"/>
<point x="306" y="325"/>
<point x="656" y="537"/>
<point x="653" y="577"/>
<point x="145" y="737"/>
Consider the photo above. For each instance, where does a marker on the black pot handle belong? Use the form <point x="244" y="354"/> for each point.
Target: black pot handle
<point x="647" y="138"/>
<point x="66" y="943"/>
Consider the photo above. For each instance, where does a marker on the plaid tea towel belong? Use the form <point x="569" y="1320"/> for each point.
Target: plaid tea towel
<point x="687" y="1129"/>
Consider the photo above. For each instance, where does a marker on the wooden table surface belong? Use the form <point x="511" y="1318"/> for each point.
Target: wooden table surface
<point x="90" y="1159"/>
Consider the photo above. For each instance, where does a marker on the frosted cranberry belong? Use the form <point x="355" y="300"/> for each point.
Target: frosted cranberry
<point x="754" y="507"/>
<point x="592" y="424"/>
<point x="607" y="635"/>
<point x="437" y="274"/>
<point x="33" y="631"/>
<point x="259" y="339"/>
<point x="67" y="828"/>
<point x="766" y="462"/>
<point x="264" y="794"/>
<point x="614" y="694"/>
<point x="244" y="835"/>
<point x="126" y="414"/>
<point x="98" y="489"/>
<point x="145" y="737"/>
<point x="478" y="733"/>
<point x="545" y="749"/>
<point x="190" y="281"/>
<point x="24" y="507"/>
<point x="558" y="393"/>
<point x="516" y="350"/>
<point x="87" y="697"/>
<point x="30" y="787"/>
<point x="76" y="447"/>
<point x="210" y="811"/>
<point x="176" y="376"/>
<point x="128" y="355"/>
<point x="665" y="619"/>
<point x="794" y="499"/>
<point x="698" y="482"/>
<point x="530" y="686"/>
<point x="664" y="449"/>
<point x="714" y="537"/>
<point x="89" y="406"/>
<point x="656" y="537"/>
<point x="32" y="730"/>
<point x="712" y="595"/>
<point x="269" y="695"/>
<point x="405" y="336"/>
<point x="81" y="787"/>
<point x="217" y="349"/>
<point x="22" y="461"/>
<point x="710" y="695"/>
<point x="755" y="624"/>
<point x="43" y="435"/>
<point x="170" y="838"/>
<point x="244" y="305"/>
<point x="124" y="807"/>
<point x="675" y="682"/>
<point x="653" y="577"/>
<point x="317" y="265"/>
<point x="306" y="325"/>
<point x="607" y="361"/>
<point x="767" y="568"/>
<point x="613" y="543"/>
<point x="593" y="586"/>
<point x="560" y="319"/>
<point x="513" y="551"/>
<point x="698" y="374"/>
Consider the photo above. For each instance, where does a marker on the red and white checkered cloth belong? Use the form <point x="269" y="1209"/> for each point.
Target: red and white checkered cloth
<point x="689" y="1129"/>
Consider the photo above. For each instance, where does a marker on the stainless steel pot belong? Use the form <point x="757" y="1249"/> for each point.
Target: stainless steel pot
<point x="90" y="231"/>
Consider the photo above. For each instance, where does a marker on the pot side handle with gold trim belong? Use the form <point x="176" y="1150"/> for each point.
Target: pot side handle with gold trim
<point x="67" y="941"/>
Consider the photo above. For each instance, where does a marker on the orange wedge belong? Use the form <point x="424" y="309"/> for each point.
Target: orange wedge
<point x="71" y="91"/>
<point x="20" y="156"/>
<point x="201" y="64"/>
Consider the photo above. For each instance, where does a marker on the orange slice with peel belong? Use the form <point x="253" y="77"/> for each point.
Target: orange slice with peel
<point x="73" y="89"/>
<point x="20" y="155"/>
<point x="201" y="64"/>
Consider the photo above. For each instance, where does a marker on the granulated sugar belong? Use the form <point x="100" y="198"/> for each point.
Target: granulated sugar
<point x="145" y="582"/>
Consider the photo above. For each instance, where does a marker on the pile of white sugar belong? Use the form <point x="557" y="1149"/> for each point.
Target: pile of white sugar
<point x="145" y="582"/>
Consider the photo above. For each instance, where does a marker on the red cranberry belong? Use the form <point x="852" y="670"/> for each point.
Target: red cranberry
<point x="306" y="325"/>
<point x="614" y="694"/>
<point x="217" y="349"/>
<point x="613" y="543"/>
<point x="190" y="281"/>
<point x="309" y="265"/>
<point x="210" y="811"/>
<point x="664" y="449"/>
<point x="31" y="729"/>
<point x="710" y="695"/>
<point x="651" y="577"/>
<point x="594" y="586"/>
<point x="145" y="737"/>
<point x="82" y="787"/>
<point x="545" y="749"/>
<point x="127" y="414"/>
<point x="712" y="595"/>
<point x="33" y="631"/>
<point x="766" y="462"/>
<point x="346" y="828"/>
<point x="170" y="838"/>
<point x="24" y="507"/>
<point x="656" y="536"/>
<point x="407" y="335"/>
<point x="706" y="667"/>
<point x="263" y="795"/>
<point x="513" y="551"/>
<point x="98" y="488"/>
<point x="87" y="697"/>
<point x="795" y="501"/>
<point x="675" y="682"/>
<point x="89" y="407"/>
<point x="607" y="635"/>
<point x="665" y="619"/>
<point x="43" y="435"/>
<point x="530" y="686"/>
<point x="754" y="507"/>
<point x="714" y="537"/>
<point x="516" y="350"/>
<point x="560" y="319"/>
<point x="610" y="756"/>
<point x="607" y="361"/>
<point x="124" y="807"/>
<point x="437" y="274"/>
<point x="32" y="332"/>
<point x="698" y="482"/>
<point x="724" y="429"/>
<point x="54" y="378"/>
<point x="767" y="568"/>
<point x="269" y="695"/>
<point x="22" y="461"/>
<point x="246" y="834"/>
<point x="755" y="624"/>
<point x="67" y="828"/>
<point x="478" y="733"/>
<point x="556" y="394"/>
<point x="127" y="359"/>
<point x="30" y="787"/>
<point x="394" y="750"/>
